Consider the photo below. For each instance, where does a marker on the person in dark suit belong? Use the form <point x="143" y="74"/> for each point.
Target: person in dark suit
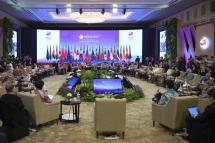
<point x="201" y="128"/>
<point x="137" y="61"/>
<point x="13" y="115"/>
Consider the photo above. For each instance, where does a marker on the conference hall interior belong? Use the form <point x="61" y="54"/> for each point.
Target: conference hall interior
<point x="107" y="71"/>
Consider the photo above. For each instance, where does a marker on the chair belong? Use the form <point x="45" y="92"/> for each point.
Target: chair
<point x="2" y="91"/>
<point x="195" y="81"/>
<point x="39" y="112"/>
<point x="110" y="115"/>
<point x="174" y="113"/>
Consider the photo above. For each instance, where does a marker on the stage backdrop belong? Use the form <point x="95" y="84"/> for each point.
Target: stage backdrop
<point x="88" y="45"/>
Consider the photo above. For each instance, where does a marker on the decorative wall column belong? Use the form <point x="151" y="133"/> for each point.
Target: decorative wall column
<point x="188" y="37"/>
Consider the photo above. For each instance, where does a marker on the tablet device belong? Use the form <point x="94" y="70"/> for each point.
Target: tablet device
<point x="194" y="111"/>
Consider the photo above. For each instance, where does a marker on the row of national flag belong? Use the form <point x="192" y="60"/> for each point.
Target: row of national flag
<point x="85" y="53"/>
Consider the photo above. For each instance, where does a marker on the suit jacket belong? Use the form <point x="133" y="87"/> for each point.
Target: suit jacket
<point x="208" y="117"/>
<point x="15" y="118"/>
<point x="14" y="100"/>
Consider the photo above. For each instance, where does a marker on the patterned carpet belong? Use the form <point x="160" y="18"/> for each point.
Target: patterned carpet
<point x="138" y="122"/>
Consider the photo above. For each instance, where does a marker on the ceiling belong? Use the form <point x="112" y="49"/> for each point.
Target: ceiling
<point x="129" y="11"/>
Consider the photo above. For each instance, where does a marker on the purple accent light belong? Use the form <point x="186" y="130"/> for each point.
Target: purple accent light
<point x="188" y="47"/>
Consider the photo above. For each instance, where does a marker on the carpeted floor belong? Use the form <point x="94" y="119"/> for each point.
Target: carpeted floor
<point x="138" y="122"/>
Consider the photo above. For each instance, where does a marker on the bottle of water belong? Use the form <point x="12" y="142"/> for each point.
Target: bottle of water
<point x="78" y="96"/>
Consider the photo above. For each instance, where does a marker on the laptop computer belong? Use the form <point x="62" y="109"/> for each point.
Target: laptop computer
<point x="193" y="111"/>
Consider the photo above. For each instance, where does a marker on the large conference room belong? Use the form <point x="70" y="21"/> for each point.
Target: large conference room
<point x="107" y="71"/>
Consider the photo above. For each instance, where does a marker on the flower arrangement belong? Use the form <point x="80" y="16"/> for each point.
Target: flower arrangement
<point x="86" y="88"/>
<point x="69" y="95"/>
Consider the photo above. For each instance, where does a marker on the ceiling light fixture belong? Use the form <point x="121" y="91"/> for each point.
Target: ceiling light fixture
<point x="103" y="11"/>
<point x="68" y="8"/>
<point x="57" y="11"/>
<point x="90" y="17"/>
<point x="80" y="11"/>
<point x="124" y="11"/>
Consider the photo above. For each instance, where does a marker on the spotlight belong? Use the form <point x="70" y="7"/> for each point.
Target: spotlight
<point x="103" y="11"/>
<point x="80" y="11"/>
<point x="124" y="11"/>
<point x="57" y="11"/>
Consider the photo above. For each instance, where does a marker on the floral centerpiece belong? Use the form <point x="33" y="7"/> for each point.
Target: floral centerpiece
<point x="85" y="88"/>
<point x="69" y="95"/>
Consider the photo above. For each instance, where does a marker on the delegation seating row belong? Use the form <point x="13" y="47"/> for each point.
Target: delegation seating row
<point x="160" y="76"/>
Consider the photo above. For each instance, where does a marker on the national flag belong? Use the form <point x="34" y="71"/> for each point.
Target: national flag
<point x="90" y="55"/>
<point x="65" y="53"/>
<point x="80" y="54"/>
<point x="84" y="54"/>
<point x="93" y="55"/>
<point x="77" y="55"/>
<point x="53" y="53"/>
<point x="126" y="55"/>
<point x="50" y="53"/>
<point x="129" y="52"/>
<point x="71" y="53"/>
<point x="62" y="53"/>
<point x="68" y="53"/>
<point x="111" y="53"/>
<point x="87" y="56"/>
<point x="96" y="54"/>
<point x="56" y="53"/>
<point x="120" y="56"/>
<point x="108" y="55"/>
<point x="114" y="53"/>
<point x="102" y="54"/>
<point x="74" y="53"/>
<point x="99" y="54"/>
<point x="123" y="56"/>
<point x="47" y="53"/>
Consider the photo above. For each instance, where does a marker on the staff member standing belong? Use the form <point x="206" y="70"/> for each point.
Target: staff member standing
<point x="137" y="60"/>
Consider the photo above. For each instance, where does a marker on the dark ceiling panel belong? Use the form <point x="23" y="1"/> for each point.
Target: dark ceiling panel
<point x="141" y="17"/>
